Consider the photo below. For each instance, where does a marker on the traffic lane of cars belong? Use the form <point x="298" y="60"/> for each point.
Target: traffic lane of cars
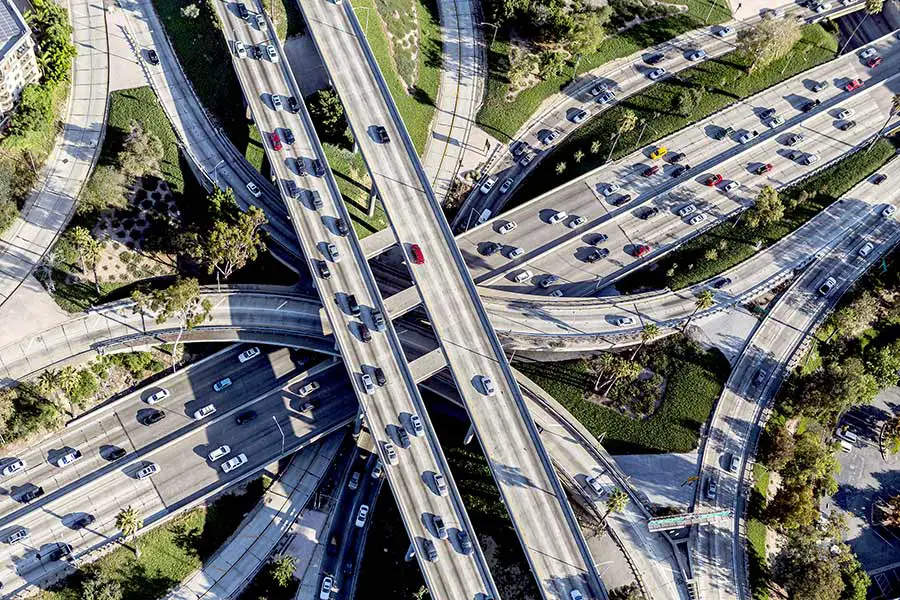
<point x="694" y="141"/>
<point x="823" y="137"/>
<point x="124" y="430"/>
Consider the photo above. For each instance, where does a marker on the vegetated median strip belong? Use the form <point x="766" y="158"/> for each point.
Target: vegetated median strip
<point x="665" y="109"/>
<point x="730" y="243"/>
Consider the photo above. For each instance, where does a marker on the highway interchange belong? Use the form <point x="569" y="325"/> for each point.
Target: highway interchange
<point x="523" y="472"/>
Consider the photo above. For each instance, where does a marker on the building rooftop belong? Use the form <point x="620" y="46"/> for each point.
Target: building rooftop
<point x="12" y="27"/>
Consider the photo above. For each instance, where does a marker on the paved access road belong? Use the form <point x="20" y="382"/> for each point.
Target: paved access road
<point x="717" y="548"/>
<point x="538" y="506"/>
<point x="98" y="486"/>
<point x="585" y="197"/>
<point x="317" y="213"/>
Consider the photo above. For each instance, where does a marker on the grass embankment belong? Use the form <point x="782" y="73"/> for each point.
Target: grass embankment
<point x="169" y="553"/>
<point x="502" y="119"/>
<point x="694" y="382"/>
<point x="726" y="245"/>
<point x="412" y="77"/>
<point x="724" y="81"/>
<point x="287" y="18"/>
<point x="756" y="534"/>
<point x="388" y="541"/>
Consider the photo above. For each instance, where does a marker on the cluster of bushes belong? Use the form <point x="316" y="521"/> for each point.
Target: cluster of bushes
<point x="626" y="11"/>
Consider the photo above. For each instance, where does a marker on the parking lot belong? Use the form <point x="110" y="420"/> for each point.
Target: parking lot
<point x="866" y="477"/>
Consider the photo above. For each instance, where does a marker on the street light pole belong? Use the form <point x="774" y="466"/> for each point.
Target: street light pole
<point x="216" y="171"/>
<point x="493" y="37"/>
<point x="281" y="431"/>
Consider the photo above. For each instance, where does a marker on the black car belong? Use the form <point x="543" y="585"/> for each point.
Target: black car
<point x="680" y="170"/>
<point x="82" y="521"/>
<point x="599" y="239"/>
<point x="153" y="417"/>
<point x="879" y="179"/>
<point x="382" y="134"/>
<point x="491" y="248"/>
<point x="31" y="494"/>
<point x="794" y="154"/>
<point x="723" y="132"/>
<point x="795" y="139"/>
<point x="62" y="550"/>
<point x="622" y="200"/>
<point x="242" y="10"/>
<point x="596" y="254"/>
<point x="769" y="112"/>
<point x="379" y="376"/>
<point x="293" y="104"/>
<point x="675" y="157"/>
<point x="245" y="417"/>
<point x="819" y="86"/>
<point x="341" y="226"/>
<point x="116" y="454"/>
<point x="322" y="267"/>
<point x="152" y="57"/>
<point x="719" y="284"/>
<point x="847" y="125"/>
<point x="301" y="167"/>
<point x="810" y="105"/>
<point x="364" y="333"/>
<point x="256" y="52"/>
<point x="655" y="58"/>
<point x="649" y="213"/>
<point x="318" y="167"/>
<point x="288" y="136"/>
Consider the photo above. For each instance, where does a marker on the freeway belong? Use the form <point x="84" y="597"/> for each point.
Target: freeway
<point x="99" y="485"/>
<point x="562" y="249"/>
<point x="758" y="373"/>
<point x="352" y="303"/>
<point x="541" y="514"/>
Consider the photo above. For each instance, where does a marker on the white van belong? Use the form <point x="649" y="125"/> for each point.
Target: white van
<point x="523" y="276"/>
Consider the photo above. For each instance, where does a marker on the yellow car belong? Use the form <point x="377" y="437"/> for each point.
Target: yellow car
<point x="659" y="152"/>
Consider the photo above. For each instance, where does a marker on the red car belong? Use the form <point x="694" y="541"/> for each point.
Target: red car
<point x="874" y="62"/>
<point x="642" y="250"/>
<point x="854" y="85"/>
<point x="276" y="141"/>
<point x="650" y="171"/>
<point x="713" y="180"/>
<point x="762" y="169"/>
<point x="417" y="256"/>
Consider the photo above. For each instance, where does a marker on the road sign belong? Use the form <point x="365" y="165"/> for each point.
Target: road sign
<point x="686" y="520"/>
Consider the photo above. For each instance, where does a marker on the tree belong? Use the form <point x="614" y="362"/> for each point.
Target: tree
<point x="50" y="24"/>
<point x="627" y="122"/>
<point x="890" y="512"/>
<point x="895" y="108"/>
<point x="578" y="156"/>
<point x="191" y="11"/>
<point x="128" y="521"/>
<point x="142" y="152"/>
<point x="587" y="31"/>
<point x="98" y="585"/>
<point x="34" y="111"/>
<point x="776" y="446"/>
<point x="705" y="299"/>
<point x="650" y="331"/>
<point x="68" y="379"/>
<point x="626" y="592"/>
<point x="48" y="382"/>
<point x="560" y="167"/>
<point x="857" y="316"/>
<point x="222" y="206"/>
<point x="88" y="250"/>
<point x="891" y="435"/>
<point x="615" y="502"/>
<point x="884" y="363"/>
<point x="793" y="507"/>
<point x="767" y="209"/>
<point x="595" y="146"/>
<point x="327" y="112"/>
<point x="283" y="570"/>
<point x="181" y="300"/>
<point x="230" y="246"/>
<point x="806" y="571"/>
<point x="873" y="7"/>
<point x="768" y="40"/>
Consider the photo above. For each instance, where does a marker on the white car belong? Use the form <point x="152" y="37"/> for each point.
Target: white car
<point x="868" y="53"/>
<point x="325" y="590"/>
<point x="276" y="102"/>
<point x="233" y="463"/>
<point x="577" y="222"/>
<point x="333" y="253"/>
<point x="507" y="227"/>
<point x="368" y="385"/>
<point x="155" y="397"/>
<point x="440" y="484"/>
<point x="594" y="482"/>
<point x="487" y="386"/>
<point x="557" y="293"/>
<point x="219" y="453"/>
<point x="686" y="210"/>
<point x="731" y="185"/>
<point x="825" y="6"/>
<point x="515" y="252"/>
<point x="151" y="469"/>
<point x="866" y="249"/>
<point x="254" y="191"/>
<point x="606" y="98"/>
<point x="362" y="514"/>
<point x="558" y="216"/>
<point x="378" y="470"/>
<point x="270" y="50"/>
<point x="656" y="73"/>
<point x="416" y="424"/>
<point x="391" y="453"/>
<point x="488" y="185"/>
<point x="697" y="219"/>
<point x="308" y="389"/>
<point x="575" y="595"/>
<point x="811" y="158"/>
<point x="826" y="286"/>
<point x="888" y="211"/>
<point x="623" y="321"/>
<point x="611" y="189"/>
<point x="248" y="354"/>
<point x="13" y="467"/>
<point x="204" y="412"/>
<point x="240" y="49"/>
<point x="580" y="116"/>
<point x="523" y="276"/>
<point x="222" y="384"/>
<point x="846" y="113"/>
<point x="506" y="185"/>
<point x="747" y="136"/>
<point x="697" y="55"/>
<point x="776" y="121"/>
<point x="68" y="459"/>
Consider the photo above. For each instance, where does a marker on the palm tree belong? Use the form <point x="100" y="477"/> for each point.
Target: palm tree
<point x="650" y="331"/>
<point x="627" y="122"/>
<point x="89" y="251"/>
<point x="623" y="368"/>
<point x="890" y="511"/>
<point x="605" y="362"/>
<point x="48" y="382"/>
<point x="704" y="301"/>
<point x="615" y="502"/>
<point x="128" y="522"/>
<point x="68" y="379"/>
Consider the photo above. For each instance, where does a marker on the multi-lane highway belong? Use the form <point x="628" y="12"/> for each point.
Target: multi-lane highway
<point x="96" y="486"/>
<point x="653" y="216"/>
<point x="539" y="509"/>
<point x="354" y="308"/>
<point x="756" y="377"/>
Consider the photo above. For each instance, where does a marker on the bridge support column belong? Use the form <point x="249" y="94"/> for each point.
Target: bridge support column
<point x="411" y="553"/>
<point x="357" y="423"/>
<point x="373" y="197"/>
<point x="470" y="433"/>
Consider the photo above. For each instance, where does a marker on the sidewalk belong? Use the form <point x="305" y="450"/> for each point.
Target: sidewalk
<point x="248" y="549"/>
